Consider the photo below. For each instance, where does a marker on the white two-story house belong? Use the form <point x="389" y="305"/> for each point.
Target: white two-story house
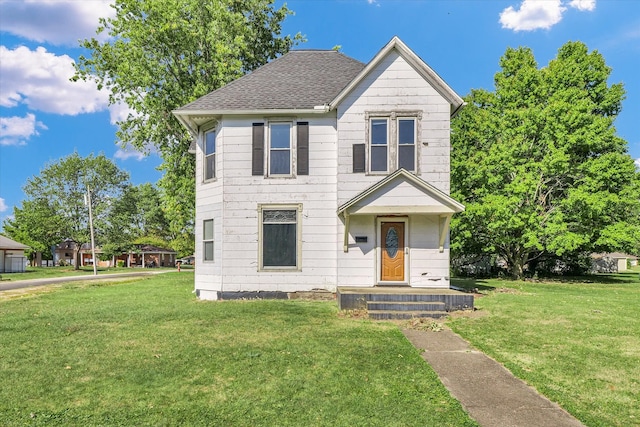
<point x="317" y="171"/>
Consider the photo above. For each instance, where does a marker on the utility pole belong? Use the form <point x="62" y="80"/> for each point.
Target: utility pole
<point x="93" y="246"/>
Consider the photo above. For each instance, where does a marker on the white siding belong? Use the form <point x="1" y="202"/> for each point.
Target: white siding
<point x="234" y="199"/>
<point x="429" y="268"/>
<point x="394" y="86"/>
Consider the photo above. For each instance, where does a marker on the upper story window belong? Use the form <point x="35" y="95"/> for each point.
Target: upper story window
<point x="280" y="149"/>
<point x="391" y="144"/>
<point x="209" y="155"/>
<point x="379" y="145"/>
<point x="407" y="144"/>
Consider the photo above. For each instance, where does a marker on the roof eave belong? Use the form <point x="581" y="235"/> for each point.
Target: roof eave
<point x="321" y="109"/>
<point x="186" y="121"/>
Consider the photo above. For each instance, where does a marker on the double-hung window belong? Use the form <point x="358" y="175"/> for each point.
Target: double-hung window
<point x="392" y="143"/>
<point x="207" y="240"/>
<point x="280" y="237"/>
<point x="407" y="144"/>
<point x="209" y="155"/>
<point x="379" y="145"/>
<point x="279" y="148"/>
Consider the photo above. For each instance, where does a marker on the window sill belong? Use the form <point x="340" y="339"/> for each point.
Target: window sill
<point x="279" y="270"/>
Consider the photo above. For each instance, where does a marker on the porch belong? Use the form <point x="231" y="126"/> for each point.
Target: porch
<point x="403" y="302"/>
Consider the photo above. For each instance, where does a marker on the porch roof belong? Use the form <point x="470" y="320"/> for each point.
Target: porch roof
<point x="401" y="193"/>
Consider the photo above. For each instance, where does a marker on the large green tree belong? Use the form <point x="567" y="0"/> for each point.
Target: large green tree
<point x="136" y="214"/>
<point x="539" y="166"/>
<point x="55" y="208"/>
<point x="162" y="55"/>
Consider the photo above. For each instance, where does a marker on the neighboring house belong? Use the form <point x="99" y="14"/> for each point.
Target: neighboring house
<point x="12" y="258"/>
<point x="65" y="253"/>
<point x="141" y="255"/>
<point x="614" y="262"/>
<point x="149" y="256"/>
<point x="316" y="172"/>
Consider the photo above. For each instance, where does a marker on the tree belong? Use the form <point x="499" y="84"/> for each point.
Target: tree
<point x="136" y="214"/>
<point x="162" y="55"/>
<point x="55" y="207"/>
<point x="538" y="163"/>
<point x="36" y="225"/>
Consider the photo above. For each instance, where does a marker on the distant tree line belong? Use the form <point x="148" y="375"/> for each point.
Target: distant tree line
<point x="56" y="209"/>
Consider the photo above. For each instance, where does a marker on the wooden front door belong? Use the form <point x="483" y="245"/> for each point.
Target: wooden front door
<point x="392" y="247"/>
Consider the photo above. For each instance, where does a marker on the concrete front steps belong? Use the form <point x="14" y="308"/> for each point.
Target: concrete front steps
<point x="383" y="303"/>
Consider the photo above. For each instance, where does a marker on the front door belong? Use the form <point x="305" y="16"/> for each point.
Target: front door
<point x="392" y="247"/>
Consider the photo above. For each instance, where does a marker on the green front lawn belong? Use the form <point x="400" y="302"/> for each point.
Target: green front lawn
<point x="576" y="342"/>
<point x="148" y="353"/>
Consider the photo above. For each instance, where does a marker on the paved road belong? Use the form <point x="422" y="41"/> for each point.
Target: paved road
<point x="19" y="284"/>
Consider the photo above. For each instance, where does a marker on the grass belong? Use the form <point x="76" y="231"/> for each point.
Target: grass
<point x="576" y="342"/>
<point x="146" y="352"/>
<point x="44" y="272"/>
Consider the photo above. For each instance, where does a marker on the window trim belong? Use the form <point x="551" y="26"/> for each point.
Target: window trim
<point x="371" y="146"/>
<point x="270" y="207"/>
<point x="393" y="147"/>
<point x="205" y="240"/>
<point x="212" y="128"/>
<point x="415" y="139"/>
<point x="290" y="149"/>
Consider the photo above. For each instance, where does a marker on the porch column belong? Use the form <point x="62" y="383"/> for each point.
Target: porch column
<point x="445" y="220"/>
<point x="346" y="231"/>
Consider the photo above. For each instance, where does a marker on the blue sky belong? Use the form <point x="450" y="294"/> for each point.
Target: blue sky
<point x="44" y="117"/>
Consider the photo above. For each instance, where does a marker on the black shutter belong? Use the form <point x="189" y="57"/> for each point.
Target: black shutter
<point x="303" y="148"/>
<point x="358" y="158"/>
<point x="257" y="161"/>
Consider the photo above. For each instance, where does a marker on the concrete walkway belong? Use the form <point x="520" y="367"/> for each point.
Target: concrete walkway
<point x="19" y="284"/>
<point x="487" y="391"/>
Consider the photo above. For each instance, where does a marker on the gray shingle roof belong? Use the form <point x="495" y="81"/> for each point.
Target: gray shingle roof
<point x="7" y="243"/>
<point x="300" y="79"/>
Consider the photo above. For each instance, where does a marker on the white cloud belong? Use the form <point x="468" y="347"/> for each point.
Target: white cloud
<point x="128" y="153"/>
<point x="532" y="15"/>
<point x="40" y="79"/>
<point x="3" y="205"/>
<point x="58" y="22"/>
<point x="17" y="130"/>
<point x="540" y="14"/>
<point x="638" y="163"/>
<point x="583" y="5"/>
